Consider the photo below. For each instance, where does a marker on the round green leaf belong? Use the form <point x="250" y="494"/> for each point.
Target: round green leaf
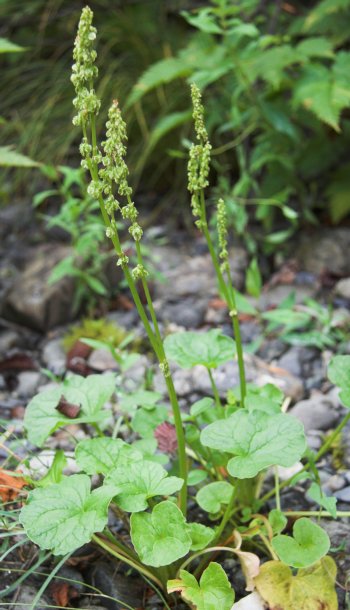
<point x="201" y="536"/>
<point x="64" y="516"/>
<point x="160" y="537"/>
<point x="137" y="482"/>
<point x="211" y="497"/>
<point x="190" y="348"/>
<point x="213" y="592"/>
<point x="309" y="544"/>
<point x="101" y="455"/>
<point x="258" y="440"/>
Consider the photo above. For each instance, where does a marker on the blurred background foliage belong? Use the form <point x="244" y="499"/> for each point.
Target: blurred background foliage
<point x="275" y="77"/>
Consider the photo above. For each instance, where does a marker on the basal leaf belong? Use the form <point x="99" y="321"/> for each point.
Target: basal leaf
<point x="42" y="417"/>
<point x="145" y="421"/>
<point x="211" y="497"/>
<point x="213" y="592"/>
<point x="64" y="516"/>
<point x="309" y="589"/>
<point x="140" y="481"/>
<point x="339" y="374"/>
<point x="257" y="440"/>
<point x="160" y="537"/>
<point x="101" y="455"/>
<point x="309" y="544"/>
<point x="190" y="348"/>
<point x="277" y="520"/>
<point x="201" y="536"/>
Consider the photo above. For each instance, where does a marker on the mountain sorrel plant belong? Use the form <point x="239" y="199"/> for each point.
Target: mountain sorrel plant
<point x="223" y="450"/>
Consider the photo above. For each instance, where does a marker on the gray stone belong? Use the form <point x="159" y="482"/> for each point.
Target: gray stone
<point x="105" y="577"/>
<point x="276" y="294"/>
<point x="326" y="249"/>
<point x="342" y="288"/>
<point x="25" y="597"/>
<point x="102" y="360"/>
<point x="188" y="312"/>
<point x="8" y="339"/>
<point x="291" y="361"/>
<point x="334" y="483"/>
<point x="314" y="440"/>
<point x="343" y="494"/>
<point x="28" y="383"/>
<point x="135" y="375"/>
<point x="35" y="303"/>
<point x="54" y="357"/>
<point x="316" y="413"/>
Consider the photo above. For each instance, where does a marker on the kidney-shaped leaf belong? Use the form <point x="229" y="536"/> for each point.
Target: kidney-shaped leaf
<point x="190" y="348"/>
<point x="309" y="544"/>
<point x="101" y="455"/>
<point x="160" y="537"/>
<point x="258" y="440"/>
<point x="139" y="481"/>
<point x="213" y="591"/>
<point x="201" y="536"/>
<point x="212" y="496"/>
<point x="339" y="374"/>
<point x="309" y="589"/>
<point x="64" y="516"/>
<point x="88" y="395"/>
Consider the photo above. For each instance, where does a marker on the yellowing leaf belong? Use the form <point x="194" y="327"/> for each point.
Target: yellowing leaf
<point x="311" y="588"/>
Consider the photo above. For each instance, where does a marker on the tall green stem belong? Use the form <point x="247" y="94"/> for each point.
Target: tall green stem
<point x="153" y="335"/>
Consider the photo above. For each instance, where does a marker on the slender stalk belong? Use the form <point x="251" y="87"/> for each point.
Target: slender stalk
<point x="226" y="517"/>
<point x="315" y="513"/>
<point x="47" y="581"/>
<point x="153" y="335"/>
<point x="112" y="549"/>
<point x="277" y="489"/>
<point x="228" y="292"/>
<point x="214" y="388"/>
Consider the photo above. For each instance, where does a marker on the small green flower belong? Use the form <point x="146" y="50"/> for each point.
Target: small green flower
<point x="222" y="233"/>
<point x="84" y="70"/>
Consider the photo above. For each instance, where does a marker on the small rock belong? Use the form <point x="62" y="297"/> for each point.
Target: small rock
<point x="8" y="340"/>
<point x="314" y="441"/>
<point x="291" y="361"/>
<point x="343" y="494"/>
<point x="104" y="576"/>
<point x="25" y="597"/>
<point x="102" y="360"/>
<point x="286" y="473"/>
<point x="342" y="288"/>
<point x="28" y="383"/>
<point x="334" y="483"/>
<point x="40" y="464"/>
<point x="54" y="356"/>
<point x="325" y="250"/>
<point x="187" y="312"/>
<point x="316" y="413"/>
<point x="253" y="601"/>
<point x="135" y="375"/>
<point x="32" y="300"/>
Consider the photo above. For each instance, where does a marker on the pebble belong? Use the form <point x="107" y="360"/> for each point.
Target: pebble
<point x="25" y="596"/>
<point x="54" y="356"/>
<point x="253" y="601"/>
<point x="28" y="383"/>
<point x="342" y="288"/>
<point x="8" y="339"/>
<point x="316" y="413"/>
<point x="343" y="494"/>
<point x="102" y="360"/>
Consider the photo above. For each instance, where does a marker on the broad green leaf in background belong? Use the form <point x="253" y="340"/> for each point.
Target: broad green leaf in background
<point x="163" y="71"/>
<point x="11" y="158"/>
<point x="309" y="589"/>
<point x="253" y="279"/>
<point x="64" y="516"/>
<point x="160" y="537"/>
<point x="146" y="420"/>
<point x="42" y="417"/>
<point x="213" y="592"/>
<point x="211" y="348"/>
<point x="286" y="317"/>
<point x="213" y="496"/>
<point x="201" y="536"/>
<point x="201" y="406"/>
<point x="101" y="455"/>
<point x="196" y="476"/>
<point x="258" y="440"/>
<point x="141" y="398"/>
<point x="339" y="374"/>
<point x="338" y="193"/>
<point x="309" y="544"/>
<point x="140" y="481"/>
<point x="6" y="46"/>
<point x="316" y="47"/>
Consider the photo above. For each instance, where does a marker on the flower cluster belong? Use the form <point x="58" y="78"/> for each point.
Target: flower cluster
<point x="84" y="70"/>
<point x="199" y="161"/>
<point x="222" y="234"/>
